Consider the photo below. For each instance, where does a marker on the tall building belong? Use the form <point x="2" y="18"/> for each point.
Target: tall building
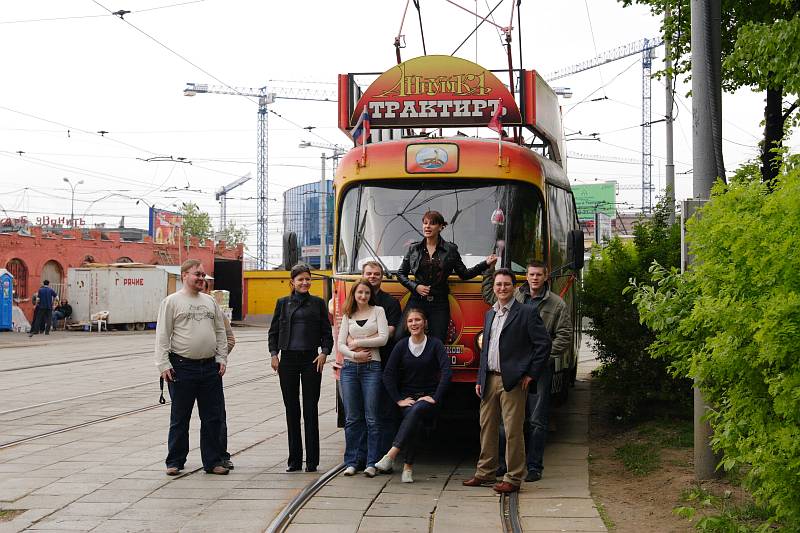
<point x="301" y="215"/>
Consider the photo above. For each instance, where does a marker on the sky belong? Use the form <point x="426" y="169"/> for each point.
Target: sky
<point x="71" y="69"/>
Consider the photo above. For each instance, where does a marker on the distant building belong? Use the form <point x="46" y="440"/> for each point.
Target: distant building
<point x="33" y="254"/>
<point x="301" y="215"/>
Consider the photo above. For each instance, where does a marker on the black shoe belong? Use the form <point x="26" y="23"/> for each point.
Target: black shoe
<point x="47" y="333"/>
<point x="30" y="334"/>
<point x="227" y="464"/>
<point x="311" y="468"/>
<point x="293" y="468"/>
<point x="533" y="476"/>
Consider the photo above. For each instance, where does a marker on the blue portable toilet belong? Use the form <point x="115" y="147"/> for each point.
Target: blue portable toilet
<point x="6" y="299"/>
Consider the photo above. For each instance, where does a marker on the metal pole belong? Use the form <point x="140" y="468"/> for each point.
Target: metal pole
<point x="670" y="167"/>
<point x="323" y="226"/>
<point x="707" y="167"/>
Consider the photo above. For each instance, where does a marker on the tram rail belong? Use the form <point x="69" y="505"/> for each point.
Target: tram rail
<point x="9" y="444"/>
<point x="508" y="504"/>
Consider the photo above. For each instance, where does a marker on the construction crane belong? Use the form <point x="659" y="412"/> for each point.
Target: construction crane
<point x="645" y="47"/>
<point x="266" y="96"/>
<point x="221" y="195"/>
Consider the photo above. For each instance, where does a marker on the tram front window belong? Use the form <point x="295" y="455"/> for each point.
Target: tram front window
<point x="381" y="221"/>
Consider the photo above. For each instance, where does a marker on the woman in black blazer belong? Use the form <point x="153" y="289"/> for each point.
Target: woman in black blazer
<point x="301" y="333"/>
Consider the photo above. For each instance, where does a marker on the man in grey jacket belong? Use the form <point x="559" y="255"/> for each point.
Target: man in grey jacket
<point x="556" y="317"/>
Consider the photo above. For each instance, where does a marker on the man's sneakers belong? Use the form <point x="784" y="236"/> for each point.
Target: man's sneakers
<point x="218" y="470"/>
<point x="173" y="471"/>
<point x="533" y="475"/>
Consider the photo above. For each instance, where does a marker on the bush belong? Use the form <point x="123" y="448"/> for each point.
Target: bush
<point x="733" y="323"/>
<point x="635" y="384"/>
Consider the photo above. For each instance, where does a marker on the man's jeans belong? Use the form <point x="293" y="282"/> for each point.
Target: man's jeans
<point x="195" y="381"/>
<point x="361" y="384"/>
<point x="57" y="315"/>
<point x="537" y="416"/>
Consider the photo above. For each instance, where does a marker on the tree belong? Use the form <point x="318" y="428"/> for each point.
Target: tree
<point x="234" y="235"/>
<point x="196" y="223"/>
<point x="759" y="50"/>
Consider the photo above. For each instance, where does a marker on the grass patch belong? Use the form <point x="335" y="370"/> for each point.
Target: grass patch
<point x="603" y="512"/>
<point x="7" y="515"/>
<point x="640" y="458"/>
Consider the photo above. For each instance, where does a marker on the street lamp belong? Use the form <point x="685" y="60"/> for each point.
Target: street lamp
<point x="72" y="205"/>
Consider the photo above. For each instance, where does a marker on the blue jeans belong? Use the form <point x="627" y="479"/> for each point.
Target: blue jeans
<point x="195" y="381"/>
<point x="537" y="416"/>
<point x="361" y="384"/>
<point x="57" y="315"/>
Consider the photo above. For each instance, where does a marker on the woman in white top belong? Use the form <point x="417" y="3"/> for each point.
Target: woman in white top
<point x="362" y="331"/>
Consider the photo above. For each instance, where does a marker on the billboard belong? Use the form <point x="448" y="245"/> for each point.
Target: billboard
<point x="595" y="198"/>
<point x="165" y="226"/>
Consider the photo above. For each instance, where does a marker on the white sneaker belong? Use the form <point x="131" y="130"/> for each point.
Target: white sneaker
<point x="407" y="476"/>
<point x="350" y="471"/>
<point x="385" y="464"/>
<point x="370" y="471"/>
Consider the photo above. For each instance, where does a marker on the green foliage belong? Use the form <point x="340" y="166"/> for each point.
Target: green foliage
<point x="733" y="324"/>
<point x="634" y="383"/>
<point x="196" y="223"/>
<point x="234" y="235"/>
<point x="719" y="514"/>
<point x="639" y="458"/>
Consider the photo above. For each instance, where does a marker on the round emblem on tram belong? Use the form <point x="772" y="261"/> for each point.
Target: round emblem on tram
<point x="431" y="158"/>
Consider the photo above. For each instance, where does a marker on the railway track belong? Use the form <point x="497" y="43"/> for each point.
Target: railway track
<point x="16" y="442"/>
<point x="104" y="357"/>
<point x="508" y="506"/>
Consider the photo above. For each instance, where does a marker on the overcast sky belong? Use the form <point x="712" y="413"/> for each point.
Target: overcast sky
<point x="71" y="69"/>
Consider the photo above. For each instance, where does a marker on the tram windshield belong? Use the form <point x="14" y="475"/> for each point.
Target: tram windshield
<point x="381" y="220"/>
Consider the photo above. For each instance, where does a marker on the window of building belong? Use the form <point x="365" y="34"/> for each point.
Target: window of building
<point x="19" y="270"/>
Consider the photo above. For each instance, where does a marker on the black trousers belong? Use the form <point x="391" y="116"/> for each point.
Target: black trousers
<point x="42" y="320"/>
<point x="414" y="418"/>
<point x="438" y="312"/>
<point x="195" y="381"/>
<point x="296" y="369"/>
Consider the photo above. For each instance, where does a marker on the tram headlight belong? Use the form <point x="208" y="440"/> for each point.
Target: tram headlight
<point x="479" y="341"/>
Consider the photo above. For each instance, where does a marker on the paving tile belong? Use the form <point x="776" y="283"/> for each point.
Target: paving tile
<point x="562" y="524"/>
<point x="333" y="516"/>
<point x="394" y="524"/>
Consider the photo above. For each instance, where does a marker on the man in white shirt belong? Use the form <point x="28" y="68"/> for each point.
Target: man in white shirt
<point x="515" y="347"/>
<point x="191" y="355"/>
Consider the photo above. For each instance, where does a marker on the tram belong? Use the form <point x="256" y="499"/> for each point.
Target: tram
<point x="507" y="195"/>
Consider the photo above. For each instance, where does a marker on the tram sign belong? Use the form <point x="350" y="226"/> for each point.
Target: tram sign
<point x="440" y="91"/>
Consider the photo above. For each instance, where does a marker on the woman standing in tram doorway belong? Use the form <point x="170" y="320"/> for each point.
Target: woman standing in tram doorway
<point x="301" y="333"/>
<point x="431" y="261"/>
<point x="363" y="330"/>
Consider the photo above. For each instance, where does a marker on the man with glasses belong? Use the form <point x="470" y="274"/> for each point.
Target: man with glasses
<point x="191" y="354"/>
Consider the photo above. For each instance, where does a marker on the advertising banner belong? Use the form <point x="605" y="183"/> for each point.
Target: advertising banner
<point x="595" y="198"/>
<point x="436" y="91"/>
<point x="165" y="226"/>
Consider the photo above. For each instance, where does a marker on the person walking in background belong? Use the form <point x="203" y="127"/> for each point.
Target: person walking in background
<point x="363" y="330"/>
<point x="372" y="271"/>
<point x="300" y="340"/>
<point x="416" y="376"/>
<point x="191" y="355"/>
<point x="43" y="312"/>
<point x="431" y="261"/>
<point x="515" y="347"/>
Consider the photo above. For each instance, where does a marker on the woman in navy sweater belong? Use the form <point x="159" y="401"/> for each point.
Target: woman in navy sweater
<point x="416" y="378"/>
